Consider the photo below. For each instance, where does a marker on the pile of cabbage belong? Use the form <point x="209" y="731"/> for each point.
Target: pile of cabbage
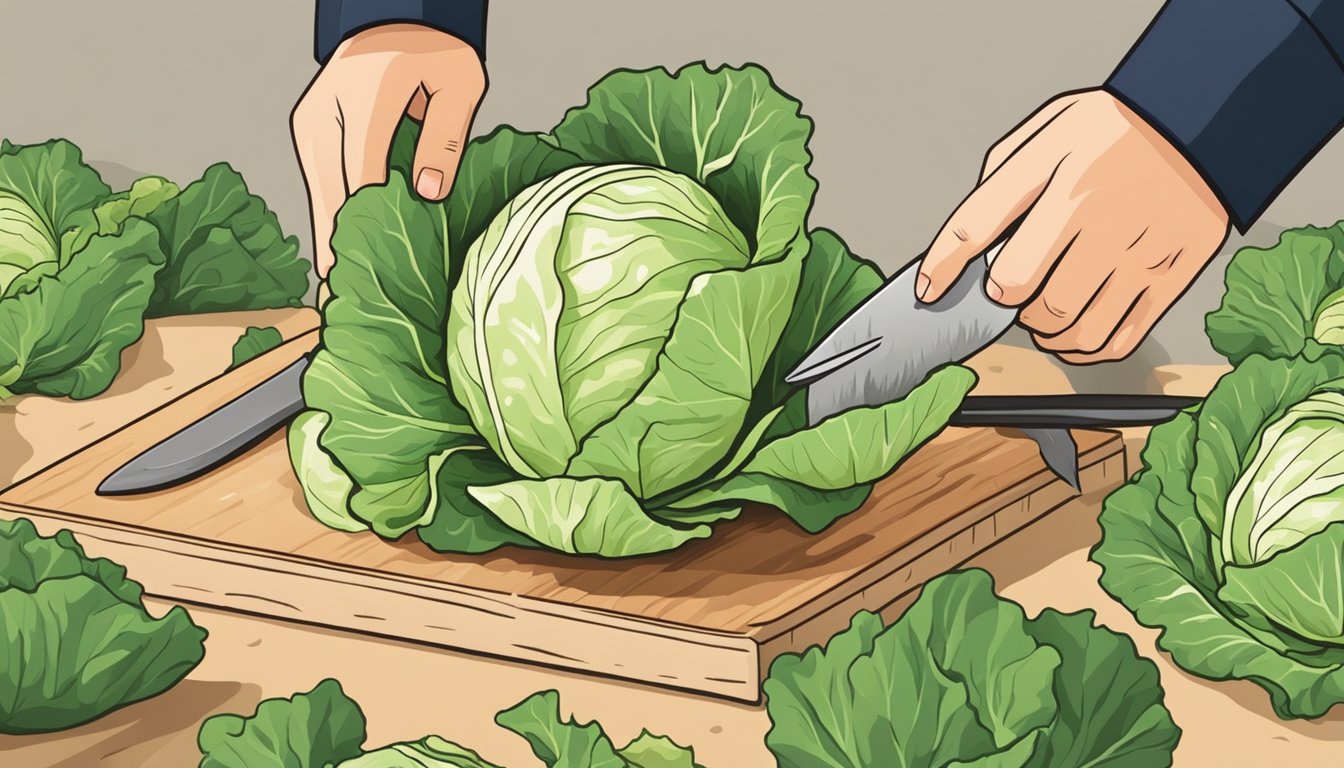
<point x="81" y="266"/>
<point x="964" y="678"/>
<point x="1231" y="537"/>
<point x="583" y="348"/>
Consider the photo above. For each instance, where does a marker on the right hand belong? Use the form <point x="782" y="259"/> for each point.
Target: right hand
<point x="344" y="122"/>
<point x="1115" y="225"/>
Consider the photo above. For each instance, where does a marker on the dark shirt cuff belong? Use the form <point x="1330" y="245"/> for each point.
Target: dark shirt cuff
<point x="1248" y="91"/>
<point x="339" y="19"/>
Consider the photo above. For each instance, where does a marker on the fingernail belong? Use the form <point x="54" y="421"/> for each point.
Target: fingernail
<point x="921" y="286"/>
<point x="429" y="182"/>
<point x="993" y="290"/>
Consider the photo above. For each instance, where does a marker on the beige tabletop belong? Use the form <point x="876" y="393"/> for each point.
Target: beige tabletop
<point x="408" y="691"/>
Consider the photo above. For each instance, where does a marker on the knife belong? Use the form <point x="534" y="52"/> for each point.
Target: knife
<point x="891" y="342"/>
<point x="214" y="438"/>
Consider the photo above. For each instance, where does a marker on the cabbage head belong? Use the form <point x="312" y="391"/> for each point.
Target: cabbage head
<point x="583" y="347"/>
<point x="1231" y="538"/>
<point x="611" y="252"/>
<point x="81" y="267"/>
<point x="70" y="299"/>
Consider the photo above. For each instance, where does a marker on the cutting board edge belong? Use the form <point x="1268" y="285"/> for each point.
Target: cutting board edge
<point x="1102" y="467"/>
<point x="948" y="554"/>
<point x="697" y="660"/>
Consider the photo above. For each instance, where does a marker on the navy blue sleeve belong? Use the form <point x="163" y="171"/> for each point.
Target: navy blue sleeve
<point x="339" y="19"/>
<point x="1249" y="91"/>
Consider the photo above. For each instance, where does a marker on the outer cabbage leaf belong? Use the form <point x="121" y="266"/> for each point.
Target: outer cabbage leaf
<point x="1276" y="297"/>
<point x="78" y="640"/>
<point x="592" y="516"/>
<point x="689" y="413"/>
<point x="1160" y="558"/>
<point x="225" y="249"/>
<point x="1111" y="710"/>
<point x="561" y="743"/>
<point x="326" y="487"/>
<point x="1275" y="589"/>
<point x="395" y="439"/>
<point x="833" y="284"/>
<point x="964" y="678"/>
<point x="732" y="130"/>
<point x="143" y="198"/>
<point x="315" y="729"/>
<point x="819" y="474"/>
<point x="255" y="341"/>
<point x="66" y="335"/>
<point x="380" y="373"/>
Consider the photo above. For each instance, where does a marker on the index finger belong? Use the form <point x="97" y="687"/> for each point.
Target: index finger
<point x="317" y="142"/>
<point x="983" y="217"/>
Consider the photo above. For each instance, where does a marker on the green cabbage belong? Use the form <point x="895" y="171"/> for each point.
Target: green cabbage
<point x="965" y="678"/>
<point x="583" y="348"/>
<point x="556" y="323"/>
<point x="81" y="267"/>
<point x="1231" y="538"/>
<point x="78" y="640"/>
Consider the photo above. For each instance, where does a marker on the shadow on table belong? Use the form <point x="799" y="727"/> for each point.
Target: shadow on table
<point x="159" y="731"/>
<point x="18" y="451"/>
<point x="1255" y="700"/>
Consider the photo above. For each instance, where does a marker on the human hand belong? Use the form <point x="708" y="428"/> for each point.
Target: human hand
<point x="1117" y="225"/>
<point x="344" y="122"/>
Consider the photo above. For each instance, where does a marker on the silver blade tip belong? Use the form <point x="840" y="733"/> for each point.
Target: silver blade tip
<point x="126" y="481"/>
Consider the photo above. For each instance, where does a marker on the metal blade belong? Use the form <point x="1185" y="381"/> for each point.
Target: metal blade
<point x="891" y="343"/>
<point x="1060" y="453"/>
<point x="215" y="438"/>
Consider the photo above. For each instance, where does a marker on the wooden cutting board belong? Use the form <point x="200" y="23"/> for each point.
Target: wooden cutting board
<point x="708" y="617"/>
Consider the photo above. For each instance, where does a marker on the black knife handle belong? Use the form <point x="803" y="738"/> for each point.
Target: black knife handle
<point x="1069" y="411"/>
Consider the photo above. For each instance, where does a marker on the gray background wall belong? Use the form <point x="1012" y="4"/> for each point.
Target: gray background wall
<point x="906" y="95"/>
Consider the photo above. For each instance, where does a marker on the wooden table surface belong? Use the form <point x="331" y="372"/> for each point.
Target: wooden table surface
<point x="408" y="690"/>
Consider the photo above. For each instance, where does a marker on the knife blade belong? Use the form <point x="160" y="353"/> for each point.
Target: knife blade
<point x="213" y="439"/>
<point x="892" y="341"/>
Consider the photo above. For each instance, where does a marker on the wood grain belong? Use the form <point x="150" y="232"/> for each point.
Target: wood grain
<point x="708" y="617"/>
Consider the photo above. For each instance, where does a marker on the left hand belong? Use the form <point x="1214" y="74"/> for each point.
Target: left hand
<point x="1117" y="225"/>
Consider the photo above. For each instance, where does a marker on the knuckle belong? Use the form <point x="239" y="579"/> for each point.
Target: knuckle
<point x="1091" y="341"/>
<point x="1046" y="316"/>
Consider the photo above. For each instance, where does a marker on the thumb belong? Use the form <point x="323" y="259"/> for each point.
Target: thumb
<point x="443" y="138"/>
